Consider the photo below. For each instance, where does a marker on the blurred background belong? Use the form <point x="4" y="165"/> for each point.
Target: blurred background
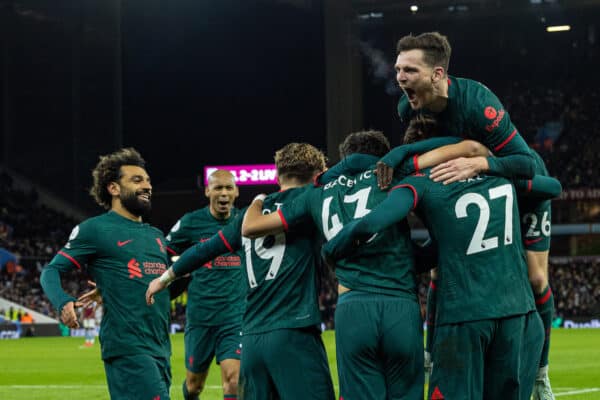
<point x="195" y="83"/>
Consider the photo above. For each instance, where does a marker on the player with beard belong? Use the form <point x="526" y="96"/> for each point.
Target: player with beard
<point x="122" y="254"/>
<point x="215" y="296"/>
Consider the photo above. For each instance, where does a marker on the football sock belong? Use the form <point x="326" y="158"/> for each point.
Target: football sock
<point x="544" y="303"/>
<point x="187" y="395"/>
<point x="430" y="317"/>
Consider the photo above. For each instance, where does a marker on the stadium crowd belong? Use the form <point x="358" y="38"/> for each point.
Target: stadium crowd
<point x="558" y="121"/>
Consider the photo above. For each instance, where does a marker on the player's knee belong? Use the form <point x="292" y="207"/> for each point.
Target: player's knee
<point x="230" y="382"/>
<point x="538" y="281"/>
<point x="194" y="383"/>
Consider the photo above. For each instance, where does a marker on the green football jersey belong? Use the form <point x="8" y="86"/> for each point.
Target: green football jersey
<point x="215" y="295"/>
<point x="536" y="214"/>
<point x="280" y="273"/>
<point x="473" y="111"/>
<point x="482" y="271"/>
<point x="386" y="265"/>
<point x="122" y="257"/>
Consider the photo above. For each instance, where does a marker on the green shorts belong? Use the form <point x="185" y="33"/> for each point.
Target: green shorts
<point x="536" y="226"/>
<point x="488" y="359"/>
<point x="202" y="343"/>
<point x="142" y="377"/>
<point x="379" y="347"/>
<point x="285" y="364"/>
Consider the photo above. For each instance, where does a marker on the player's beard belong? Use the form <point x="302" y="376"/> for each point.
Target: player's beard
<point x="133" y="204"/>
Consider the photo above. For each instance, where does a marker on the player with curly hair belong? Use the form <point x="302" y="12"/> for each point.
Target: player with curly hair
<point x="122" y="254"/>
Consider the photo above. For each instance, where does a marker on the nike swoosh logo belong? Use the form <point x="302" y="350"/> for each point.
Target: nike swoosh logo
<point x="532" y="241"/>
<point x="121" y="244"/>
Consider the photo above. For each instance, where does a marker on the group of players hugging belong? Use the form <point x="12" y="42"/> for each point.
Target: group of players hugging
<point x="464" y="170"/>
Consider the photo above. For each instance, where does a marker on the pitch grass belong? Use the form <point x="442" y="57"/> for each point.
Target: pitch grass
<point x="58" y="368"/>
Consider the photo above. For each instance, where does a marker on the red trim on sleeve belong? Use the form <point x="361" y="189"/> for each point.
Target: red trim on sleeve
<point x="432" y="285"/>
<point x="411" y="187"/>
<point x="170" y="250"/>
<point x="531" y="241"/>
<point x="283" y="221"/>
<point x="529" y="183"/>
<point x="225" y="241"/>
<point x="68" y="257"/>
<point x="508" y="139"/>
<point x="416" y="163"/>
<point x="544" y="299"/>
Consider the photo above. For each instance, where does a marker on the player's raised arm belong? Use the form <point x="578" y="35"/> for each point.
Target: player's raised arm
<point x="256" y="224"/>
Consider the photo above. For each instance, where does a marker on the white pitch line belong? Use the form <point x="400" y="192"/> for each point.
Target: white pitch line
<point x="74" y="387"/>
<point x="573" y="392"/>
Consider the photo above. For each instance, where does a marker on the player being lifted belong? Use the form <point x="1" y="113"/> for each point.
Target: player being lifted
<point x="122" y="255"/>
<point x="283" y="355"/>
<point x="215" y="299"/>
<point x="461" y="106"/>
<point x="486" y="321"/>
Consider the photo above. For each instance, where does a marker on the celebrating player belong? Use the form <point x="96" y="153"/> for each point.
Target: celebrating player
<point x="123" y="255"/>
<point x="461" y="106"/>
<point x="283" y="355"/>
<point x="215" y="299"/>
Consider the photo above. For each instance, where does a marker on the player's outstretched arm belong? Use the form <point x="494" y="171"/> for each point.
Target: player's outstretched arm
<point x="256" y="224"/>
<point x="159" y="284"/>
<point x="195" y="257"/>
<point x="389" y="162"/>
<point x="542" y="187"/>
<point x="390" y="211"/>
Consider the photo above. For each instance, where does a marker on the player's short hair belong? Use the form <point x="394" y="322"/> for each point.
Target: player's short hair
<point x="299" y="160"/>
<point x="436" y="48"/>
<point x="421" y="127"/>
<point x="108" y="170"/>
<point x="365" y="142"/>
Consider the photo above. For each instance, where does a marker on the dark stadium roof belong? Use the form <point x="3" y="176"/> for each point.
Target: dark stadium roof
<point x="393" y="9"/>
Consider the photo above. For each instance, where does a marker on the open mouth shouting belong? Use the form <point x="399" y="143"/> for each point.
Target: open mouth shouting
<point x="224" y="204"/>
<point x="411" y="95"/>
